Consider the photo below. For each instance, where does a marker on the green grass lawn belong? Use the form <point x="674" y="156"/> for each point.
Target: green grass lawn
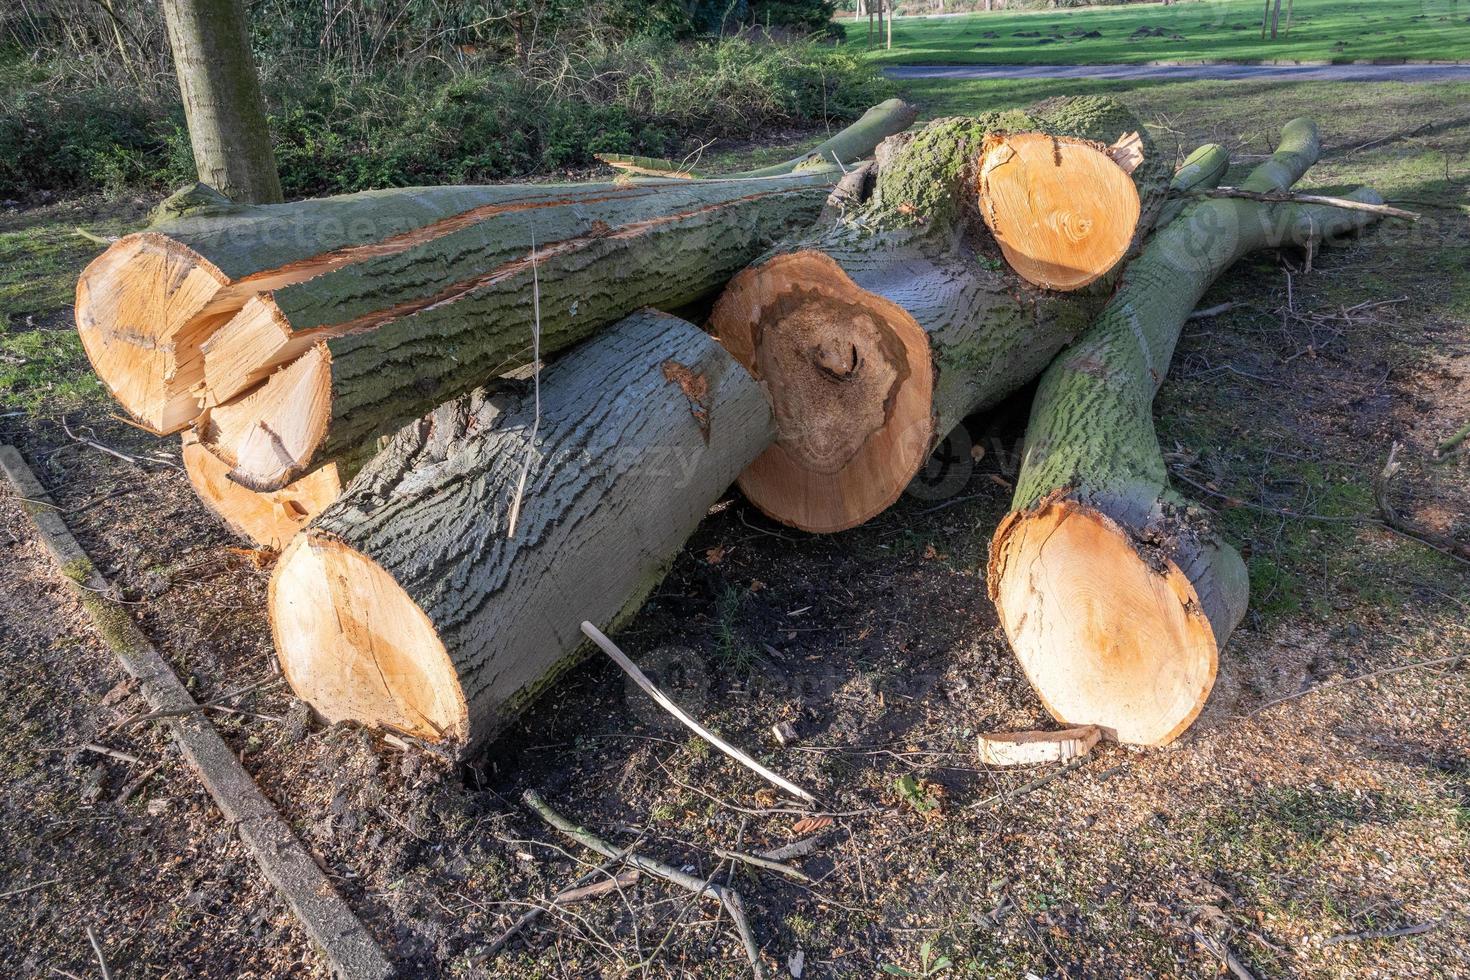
<point x="1194" y="30"/>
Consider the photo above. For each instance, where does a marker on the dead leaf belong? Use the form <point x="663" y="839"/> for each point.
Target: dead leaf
<point x="809" y="825"/>
<point x="929" y="553"/>
<point x="715" y="555"/>
<point x="259" y="557"/>
<point x="766" y="796"/>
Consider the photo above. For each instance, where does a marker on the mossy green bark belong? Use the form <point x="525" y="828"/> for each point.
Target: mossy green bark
<point x="1091" y="433"/>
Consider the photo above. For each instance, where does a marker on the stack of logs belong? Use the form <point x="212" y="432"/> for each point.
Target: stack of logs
<point x="358" y="382"/>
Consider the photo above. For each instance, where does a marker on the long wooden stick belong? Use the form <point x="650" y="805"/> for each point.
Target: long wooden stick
<point x="729" y="900"/>
<point x="1289" y="197"/>
<point x="631" y="669"/>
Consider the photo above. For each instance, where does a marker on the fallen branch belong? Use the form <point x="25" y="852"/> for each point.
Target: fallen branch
<point x="800" y="848"/>
<point x="578" y="891"/>
<point x="1289" y="197"/>
<point x="1419" y="928"/>
<point x="1458" y="436"/>
<point x="1221" y="951"/>
<point x="218" y="702"/>
<point x="30" y="888"/>
<point x="1442" y="543"/>
<point x="1437" y="662"/>
<point x="97" y="948"/>
<point x="761" y="862"/>
<point x="99" y="749"/>
<point x="631" y="669"/>
<point x="729" y="900"/>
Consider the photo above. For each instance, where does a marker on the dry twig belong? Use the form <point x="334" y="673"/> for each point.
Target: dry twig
<point x="729" y="900"/>
<point x="631" y="669"/>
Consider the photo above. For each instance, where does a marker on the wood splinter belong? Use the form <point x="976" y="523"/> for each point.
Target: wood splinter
<point x="1036" y="748"/>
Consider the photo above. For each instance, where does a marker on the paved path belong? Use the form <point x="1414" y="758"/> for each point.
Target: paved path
<point x="1276" y="73"/>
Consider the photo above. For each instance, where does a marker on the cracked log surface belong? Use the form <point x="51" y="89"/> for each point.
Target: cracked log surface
<point x="910" y="292"/>
<point x="405" y="604"/>
<point x="1114" y="592"/>
<point x="146" y="305"/>
<point x="362" y="379"/>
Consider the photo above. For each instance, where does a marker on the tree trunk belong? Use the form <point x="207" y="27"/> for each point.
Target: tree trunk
<point x="1275" y="18"/>
<point x="889" y="44"/>
<point x="408" y="604"/>
<point x="222" y="102"/>
<point x="876" y="335"/>
<point x="355" y="368"/>
<point x="146" y="306"/>
<point x="1114" y="592"/>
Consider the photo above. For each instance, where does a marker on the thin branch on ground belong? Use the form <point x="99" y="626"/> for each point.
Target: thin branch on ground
<point x="1442" y="543"/>
<point x="1289" y="197"/>
<point x="1436" y="662"/>
<point x="728" y="899"/>
<point x="1419" y="928"/>
<point x="218" y="702"/>
<point x="631" y="669"/>
<point x="1221" y="951"/>
<point x="97" y="948"/>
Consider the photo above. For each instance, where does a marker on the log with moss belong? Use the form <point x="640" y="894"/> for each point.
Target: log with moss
<point x="1114" y="592"/>
<point x="146" y="306"/>
<point x="448" y="583"/>
<point x="876" y="333"/>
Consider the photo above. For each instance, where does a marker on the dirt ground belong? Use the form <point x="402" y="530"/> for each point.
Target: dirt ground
<point x="1277" y="833"/>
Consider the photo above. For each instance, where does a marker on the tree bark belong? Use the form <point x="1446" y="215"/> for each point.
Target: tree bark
<point x="1114" y="592"/>
<point x="876" y="335"/>
<point x="361" y="369"/>
<point x="408" y="604"/>
<point x="222" y="102"/>
<point x="146" y="306"/>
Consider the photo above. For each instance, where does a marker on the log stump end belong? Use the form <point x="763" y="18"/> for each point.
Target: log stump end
<point x="355" y="646"/>
<point x="850" y="379"/>
<point x="141" y="313"/>
<point x="1110" y="633"/>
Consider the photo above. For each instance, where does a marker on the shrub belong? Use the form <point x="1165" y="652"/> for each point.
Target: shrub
<point x="335" y="132"/>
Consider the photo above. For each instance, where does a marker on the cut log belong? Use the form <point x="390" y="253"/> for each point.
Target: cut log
<point x="1062" y="210"/>
<point x="1114" y="592"/>
<point x="268" y="520"/>
<point x="876" y="334"/>
<point x="406" y="604"/>
<point x="147" y="304"/>
<point x="362" y="377"/>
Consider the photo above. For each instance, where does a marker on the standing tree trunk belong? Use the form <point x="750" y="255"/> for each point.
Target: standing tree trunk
<point x="222" y="101"/>
<point x="889" y="44"/>
<point x="1114" y="592"/>
<point x="1275" y="18"/>
<point x="437" y="598"/>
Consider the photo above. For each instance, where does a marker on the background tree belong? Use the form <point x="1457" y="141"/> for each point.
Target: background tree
<point x="222" y="101"/>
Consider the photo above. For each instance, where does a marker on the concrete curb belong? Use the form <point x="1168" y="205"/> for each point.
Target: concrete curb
<point x="342" y="938"/>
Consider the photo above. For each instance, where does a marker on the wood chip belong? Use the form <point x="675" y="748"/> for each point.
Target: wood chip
<point x="1032" y="748"/>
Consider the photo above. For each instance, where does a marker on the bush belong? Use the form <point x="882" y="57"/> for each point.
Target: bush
<point x="336" y="133"/>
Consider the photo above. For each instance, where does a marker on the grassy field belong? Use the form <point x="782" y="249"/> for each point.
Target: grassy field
<point x="1192" y="30"/>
